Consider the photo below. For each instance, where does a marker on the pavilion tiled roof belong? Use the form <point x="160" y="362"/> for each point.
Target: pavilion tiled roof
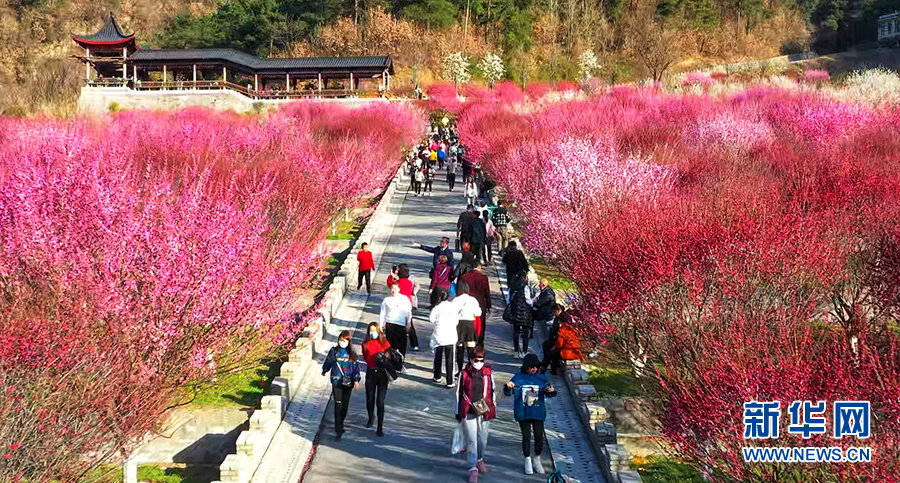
<point x="110" y="33"/>
<point x="256" y="63"/>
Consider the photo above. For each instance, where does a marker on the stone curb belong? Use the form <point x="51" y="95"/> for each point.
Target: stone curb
<point x="253" y="443"/>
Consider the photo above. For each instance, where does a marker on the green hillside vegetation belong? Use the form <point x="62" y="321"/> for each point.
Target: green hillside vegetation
<point x="537" y="39"/>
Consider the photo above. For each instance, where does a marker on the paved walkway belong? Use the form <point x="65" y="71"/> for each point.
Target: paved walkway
<point x="419" y="413"/>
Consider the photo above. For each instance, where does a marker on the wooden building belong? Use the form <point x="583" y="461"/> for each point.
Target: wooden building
<point x="112" y="57"/>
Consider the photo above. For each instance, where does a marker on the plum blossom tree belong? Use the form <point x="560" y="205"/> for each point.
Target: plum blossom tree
<point x="732" y="249"/>
<point x="588" y="65"/>
<point x="455" y="69"/>
<point x="492" y="68"/>
<point x="146" y="251"/>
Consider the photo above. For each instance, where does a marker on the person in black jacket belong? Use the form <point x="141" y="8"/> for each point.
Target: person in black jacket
<point x="462" y="224"/>
<point x="518" y="312"/>
<point x="465" y="265"/>
<point x="551" y="353"/>
<point x="515" y="262"/>
<point x="477" y="235"/>
<point x="544" y="303"/>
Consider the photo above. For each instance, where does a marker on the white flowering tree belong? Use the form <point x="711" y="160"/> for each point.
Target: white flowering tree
<point x="587" y="65"/>
<point x="492" y="68"/>
<point x="455" y="68"/>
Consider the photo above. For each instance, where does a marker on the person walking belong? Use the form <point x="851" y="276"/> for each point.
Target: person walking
<point x="445" y="317"/>
<point x="462" y="225"/>
<point x="376" y="375"/>
<point x="442" y="249"/>
<point x="395" y="318"/>
<point x="477" y="235"/>
<point x="471" y="191"/>
<point x="500" y="218"/>
<point x="529" y="388"/>
<point x="487" y="254"/>
<point x="429" y="179"/>
<point x="366" y="267"/>
<point x="563" y="345"/>
<point x="410" y="288"/>
<point x="343" y="363"/>
<point x="442" y="155"/>
<point x="475" y="409"/>
<point x="544" y="303"/>
<point x="465" y="331"/>
<point x="515" y="262"/>
<point x="440" y="281"/>
<point x="420" y="178"/>
<point x="451" y="171"/>
<point x="465" y="265"/>
<point x="479" y="288"/>
<point x="518" y="312"/>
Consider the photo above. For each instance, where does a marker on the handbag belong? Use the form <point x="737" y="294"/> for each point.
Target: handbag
<point x="346" y="380"/>
<point x="481" y="406"/>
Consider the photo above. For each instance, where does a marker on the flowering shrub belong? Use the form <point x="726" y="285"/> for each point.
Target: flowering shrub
<point x="872" y="86"/>
<point x="697" y="79"/>
<point x="148" y="250"/>
<point x="816" y="76"/>
<point x="732" y="249"/>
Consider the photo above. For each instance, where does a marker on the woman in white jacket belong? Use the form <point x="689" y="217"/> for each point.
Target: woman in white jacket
<point x="444" y="317"/>
<point x="465" y="330"/>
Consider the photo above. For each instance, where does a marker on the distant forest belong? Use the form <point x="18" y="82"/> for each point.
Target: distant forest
<point x="537" y="39"/>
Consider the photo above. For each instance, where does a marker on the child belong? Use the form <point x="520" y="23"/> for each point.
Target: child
<point x="392" y="278"/>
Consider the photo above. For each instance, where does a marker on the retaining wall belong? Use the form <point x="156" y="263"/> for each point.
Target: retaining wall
<point x="97" y="100"/>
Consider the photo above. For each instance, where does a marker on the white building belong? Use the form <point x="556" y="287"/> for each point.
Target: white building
<point x="889" y="28"/>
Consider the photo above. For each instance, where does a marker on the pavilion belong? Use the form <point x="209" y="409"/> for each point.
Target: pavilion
<point x="112" y="57"/>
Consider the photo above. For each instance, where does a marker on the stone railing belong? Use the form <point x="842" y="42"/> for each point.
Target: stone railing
<point x="253" y="443"/>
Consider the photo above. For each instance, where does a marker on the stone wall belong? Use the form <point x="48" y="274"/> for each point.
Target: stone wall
<point x="97" y="100"/>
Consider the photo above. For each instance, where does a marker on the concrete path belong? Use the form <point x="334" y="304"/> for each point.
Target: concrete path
<point x="419" y="413"/>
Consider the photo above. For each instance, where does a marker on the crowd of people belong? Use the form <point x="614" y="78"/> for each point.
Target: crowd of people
<point x="459" y="305"/>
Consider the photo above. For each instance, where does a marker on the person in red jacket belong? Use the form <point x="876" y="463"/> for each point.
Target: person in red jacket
<point x="409" y="288"/>
<point x="366" y="267"/>
<point x="376" y="377"/>
<point x="480" y="288"/>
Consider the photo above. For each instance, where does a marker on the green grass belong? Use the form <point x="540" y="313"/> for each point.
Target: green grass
<point x="240" y="389"/>
<point x="556" y="278"/>
<point x="614" y="381"/>
<point x="659" y="469"/>
<point x="102" y="474"/>
<point x="346" y="230"/>
<point x="155" y="474"/>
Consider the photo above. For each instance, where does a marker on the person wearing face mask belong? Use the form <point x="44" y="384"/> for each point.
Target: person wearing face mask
<point x="343" y="363"/>
<point x="528" y="388"/>
<point x="475" y="409"/>
<point x="376" y="376"/>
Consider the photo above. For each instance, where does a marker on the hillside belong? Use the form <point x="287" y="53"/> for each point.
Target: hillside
<point x="538" y="39"/>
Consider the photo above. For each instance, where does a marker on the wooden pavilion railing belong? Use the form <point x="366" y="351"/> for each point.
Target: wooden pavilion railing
<point x="221" y="85"/>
